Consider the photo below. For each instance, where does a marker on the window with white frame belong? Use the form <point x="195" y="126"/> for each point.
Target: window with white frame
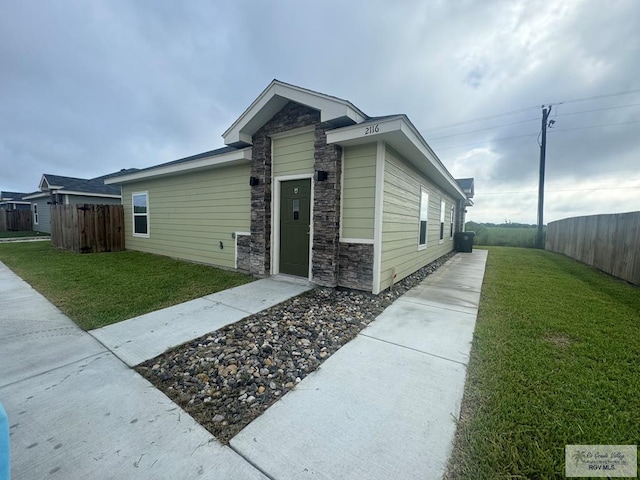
<point x="35" y="214"/>
<point x="140" y="202"/>
<point x="424" y="219"/>
<point x="442" y="207"/>
<point x="451" y="220"/>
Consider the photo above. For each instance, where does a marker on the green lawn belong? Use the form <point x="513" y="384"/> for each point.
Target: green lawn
<point x="555" y="361"/>
<point x="28" y="233"/>
<point x="103" y="288"/>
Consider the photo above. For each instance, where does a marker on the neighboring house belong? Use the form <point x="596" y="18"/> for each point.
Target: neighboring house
<point x="56" y="189"/>
<point x="308" y="185"/>
<point x="13" y="201"/>
<point x="466" y="184"/>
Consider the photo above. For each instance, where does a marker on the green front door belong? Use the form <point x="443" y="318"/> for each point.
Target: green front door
<point x="295" y="203"/>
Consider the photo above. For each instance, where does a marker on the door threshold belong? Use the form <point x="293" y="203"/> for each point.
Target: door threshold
<point x="283" y="277"/>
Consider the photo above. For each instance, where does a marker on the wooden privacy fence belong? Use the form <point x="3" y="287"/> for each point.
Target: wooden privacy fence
<point x="15" y="221"/>
<point x="610" y="243"/>
<point x="85" y="228"/>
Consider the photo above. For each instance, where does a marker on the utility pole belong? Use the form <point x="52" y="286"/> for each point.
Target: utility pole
<point x="543" y="152"/>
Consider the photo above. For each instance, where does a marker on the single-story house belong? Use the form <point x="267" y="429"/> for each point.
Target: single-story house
<point x="13" y="201"/>
<point x="56" y="189"/>
<point x="307" y="185"/>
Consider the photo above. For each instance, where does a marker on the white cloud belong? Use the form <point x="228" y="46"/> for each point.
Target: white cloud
<point x="93" y="87"/>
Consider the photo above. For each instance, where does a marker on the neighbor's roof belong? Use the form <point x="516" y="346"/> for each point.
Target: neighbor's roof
<point x="11" y="196"/>
<point x="80" y="185"/>
<point x="466" y="184"/>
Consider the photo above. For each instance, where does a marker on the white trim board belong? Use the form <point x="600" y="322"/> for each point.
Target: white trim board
<point x="275" y="220"/>
<point x="381" y="152"/>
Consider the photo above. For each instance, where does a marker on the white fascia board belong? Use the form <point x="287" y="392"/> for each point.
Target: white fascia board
<point x="88" y="194"/>
<point x="401" y="135"/>
<point x="44" y="181"/>
<point x="274" y="97"/>
<point x="36" y="195"/>
<point x="224" y="159"/>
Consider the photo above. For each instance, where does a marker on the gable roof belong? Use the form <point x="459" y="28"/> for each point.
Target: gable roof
<point x="96" y="187"/>
<point x="347" y="126"/>
<point x="333" y="110"/>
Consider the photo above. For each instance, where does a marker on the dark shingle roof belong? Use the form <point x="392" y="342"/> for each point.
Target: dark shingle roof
<point x="11" y="196"/>
<point x="210" y="153"/>
<point x="82" y="185"/>
<point x="124" y="171"/>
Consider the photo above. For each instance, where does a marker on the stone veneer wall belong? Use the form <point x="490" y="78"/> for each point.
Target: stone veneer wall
<point x="326" y="212"/>
<point x="243" y="253"/>
<point x="356" y="266"/>
<point x="291" y="116"/>
<point x="326" y="208"/>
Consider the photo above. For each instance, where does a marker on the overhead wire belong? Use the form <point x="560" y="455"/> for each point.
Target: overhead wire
<point x="520" y="110"/>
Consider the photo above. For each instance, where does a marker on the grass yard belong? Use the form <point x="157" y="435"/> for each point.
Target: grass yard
<point x="98" y="289"/>
<point x="555" y="361"/>
<point x="503" y="235"/>
<point x="23" y="234"/>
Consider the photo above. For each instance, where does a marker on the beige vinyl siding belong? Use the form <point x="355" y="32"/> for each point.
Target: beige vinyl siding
<point x="401" y="214"/>
<point x="359" y="191"/>
<point x="190" y="214"/>
<point x="293" y="155"/>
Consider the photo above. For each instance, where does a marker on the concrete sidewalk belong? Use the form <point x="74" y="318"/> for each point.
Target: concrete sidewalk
<point x="76" y="411"/>
<point x="147" y="336"/>
<point x="383" y="406"/>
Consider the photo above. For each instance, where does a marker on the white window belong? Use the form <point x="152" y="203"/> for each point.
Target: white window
<point x="424" y="219"/>
<point x="140" y="202"/>
<point x="35" y="214"/>
<point x="442" y="207"/>
<point x="452" y="219"/>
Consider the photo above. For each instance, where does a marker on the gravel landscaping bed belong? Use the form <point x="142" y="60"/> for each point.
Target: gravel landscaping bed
<point x="229" y="377"/>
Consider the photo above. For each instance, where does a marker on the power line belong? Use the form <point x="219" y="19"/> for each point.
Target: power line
<point x="595" y="97"/>
<point x="520" y="110"/>
<point x="531" y="120"/>
<point x="594" y="126"/>
<point x="489" y="141"/>
<point x="597" y="110"/>
<point x="488" y="117"/>
<point x="533" y="134"/>
<point x="486" y="128"/>
<point x="560" y="190"/>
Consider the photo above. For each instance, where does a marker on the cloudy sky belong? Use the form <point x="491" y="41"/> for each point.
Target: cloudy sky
<point x="90" y="87"/>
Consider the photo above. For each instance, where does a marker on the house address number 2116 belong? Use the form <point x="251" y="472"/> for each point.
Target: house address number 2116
<point x="371" y="129"/>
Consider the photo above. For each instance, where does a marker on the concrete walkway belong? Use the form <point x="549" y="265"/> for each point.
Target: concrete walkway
<point x="147" y="336"/>
<point x="381" y="407"/>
